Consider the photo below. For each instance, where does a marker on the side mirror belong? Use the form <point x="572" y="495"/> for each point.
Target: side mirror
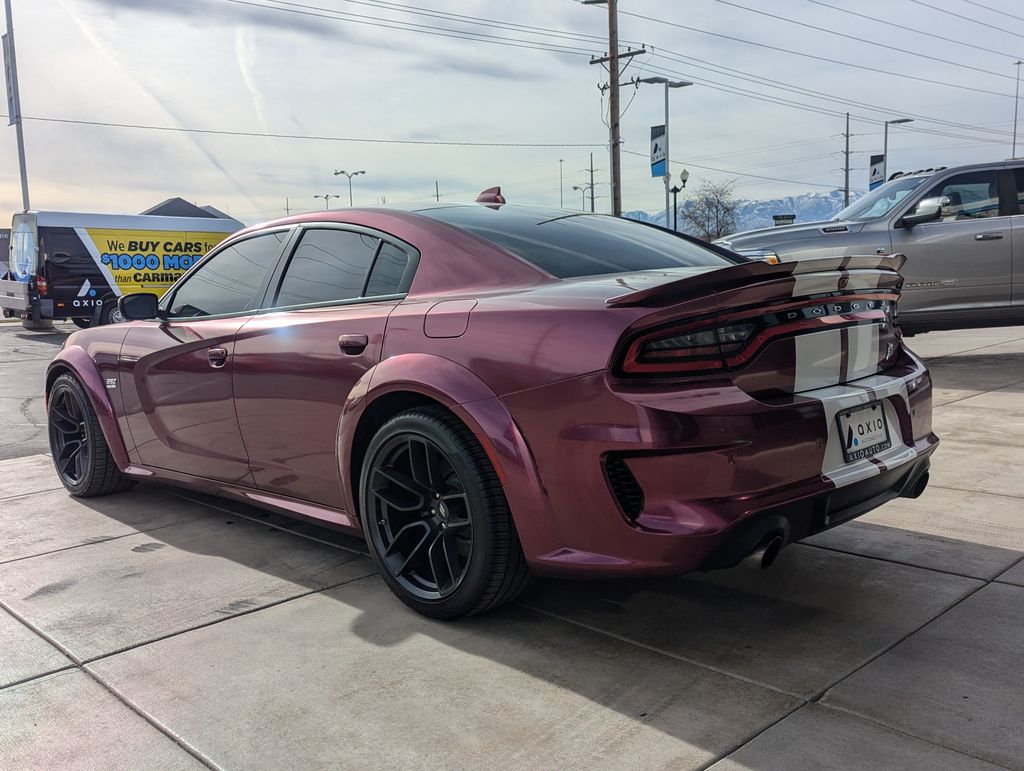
<point x="142" y="305"/>
<point x="927" y="210"/>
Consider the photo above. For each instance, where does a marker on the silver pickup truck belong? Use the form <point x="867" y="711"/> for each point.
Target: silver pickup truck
<point x="962" y="230"/>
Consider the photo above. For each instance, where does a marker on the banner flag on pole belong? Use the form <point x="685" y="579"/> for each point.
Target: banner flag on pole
<point x="875" y="172"/>
<point x="659" y="162"/>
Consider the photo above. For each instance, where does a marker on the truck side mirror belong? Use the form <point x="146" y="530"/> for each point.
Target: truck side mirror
<point x="135" y="307"/>
<point x="927" y="210"/>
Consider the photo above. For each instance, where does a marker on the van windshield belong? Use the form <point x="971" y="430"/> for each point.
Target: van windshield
<point x="881" y="200"/>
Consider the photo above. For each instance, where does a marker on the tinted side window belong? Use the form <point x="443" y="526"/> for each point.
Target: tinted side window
<point x="230" y="280"/>
<point x="387" y="273"/>
<point x="974" y="195"/>
<point x="327" y="265"/>
<point x="1020" y="190"/>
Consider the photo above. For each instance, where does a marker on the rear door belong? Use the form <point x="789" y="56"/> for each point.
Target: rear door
<point x="959" y="265"/>
<point x="295" y="363"/>
<point x="175" y="374"/>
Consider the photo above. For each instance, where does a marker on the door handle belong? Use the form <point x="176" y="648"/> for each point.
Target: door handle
<point x="988" y="236"/>
<point x="353" y="345"/>
<point x="217" y="357"/>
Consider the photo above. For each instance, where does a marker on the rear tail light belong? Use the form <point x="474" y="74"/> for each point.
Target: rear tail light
<point x="708" y="346"/>
<point x="686" y="351"/>
<point x="41" y="286"/>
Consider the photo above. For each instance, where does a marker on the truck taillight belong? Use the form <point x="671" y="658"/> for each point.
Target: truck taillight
<point x="41" y="286"/>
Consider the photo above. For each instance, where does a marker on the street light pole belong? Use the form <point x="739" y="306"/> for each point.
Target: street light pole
<point x="1017" y="93"/>
<point x="561" y="185"/>
<point x="349" y="175"/>
<point x="668" y="171"/>
<point x="583" y="189"/>
<point x="327" y="198"/>
<point x="676" y="189"/>
<point x="14" y="101"/>
<point x="885" y="145"/>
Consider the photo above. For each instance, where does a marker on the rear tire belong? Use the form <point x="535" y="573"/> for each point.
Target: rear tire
<point x="80" y="452"/>
<point x="81" y="323"/>
<point x="435" y="517"/>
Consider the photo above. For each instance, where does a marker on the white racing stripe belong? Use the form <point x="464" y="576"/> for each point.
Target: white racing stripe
<point x="818" y="360"/>
<point x="862" y="345"/>
<point x="838" y="398"/>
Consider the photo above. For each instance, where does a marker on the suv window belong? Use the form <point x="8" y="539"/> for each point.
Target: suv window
<point x="327" y="265"/>
<point x="388" y="271"/>
<point x="229" y="281"/>
<point x="974" y="195"/>
<point x="1019" y="173"/>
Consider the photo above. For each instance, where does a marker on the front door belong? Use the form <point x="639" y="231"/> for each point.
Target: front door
<point x="295" y="365"/>
<point x="175" y="373"/>
<point x="960" y="264"/>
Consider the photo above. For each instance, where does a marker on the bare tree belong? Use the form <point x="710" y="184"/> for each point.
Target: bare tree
<point x="711" y="212"/>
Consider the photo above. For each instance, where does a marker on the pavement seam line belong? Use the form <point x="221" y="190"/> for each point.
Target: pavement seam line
<point x="901" y="732"/>
<point x="817" y="698"/>
<point x="969" y="350"/>
<point x="976" y="492"/>
<point x="740" y="745"/>
<point x="895" y="561"/>
<point x="212" y="622"/>
<point x="662" y="652"/>
<point x="30" y="678"/>
<point x="980" y="393"/>
<point x="34" y="492"/>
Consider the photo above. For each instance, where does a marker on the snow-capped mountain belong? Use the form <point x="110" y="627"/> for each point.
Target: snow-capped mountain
<point x="809" y="207"/>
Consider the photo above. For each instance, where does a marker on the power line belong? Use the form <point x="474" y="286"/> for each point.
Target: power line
<point x="739" y="173"/>
<point x="994" y="10"/>
<point x="814" y="56"/>
<point x="782" y="86"/>
<point x="372" y="21"/>
<point x="312" y="137"/>
<point x="905" y="28"/>
<point x="862" y="40"/>
<point x="965" y="18"/>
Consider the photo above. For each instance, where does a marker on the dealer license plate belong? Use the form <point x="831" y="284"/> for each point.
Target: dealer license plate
<point x="863" y="431"/>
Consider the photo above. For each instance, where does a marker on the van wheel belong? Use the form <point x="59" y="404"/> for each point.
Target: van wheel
<point x="436" y="519"/>
<point x="81" y="323"/>
<point x="79" y="451"/>
<point x="111" y="314"/>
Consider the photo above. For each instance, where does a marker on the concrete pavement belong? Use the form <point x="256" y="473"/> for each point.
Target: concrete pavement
<point x="155" y="629"/>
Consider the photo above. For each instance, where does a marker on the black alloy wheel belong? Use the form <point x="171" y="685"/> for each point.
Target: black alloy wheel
<point x="421" y="516"/>
<point x="79" y="449"/>
<point x="69" y="439"/>
<point x="436" y="518"/>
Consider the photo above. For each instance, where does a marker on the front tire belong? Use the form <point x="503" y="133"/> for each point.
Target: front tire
<point x="80" y="452"/>
<point x="436" y="519"/>
<point x="111" y="314"/>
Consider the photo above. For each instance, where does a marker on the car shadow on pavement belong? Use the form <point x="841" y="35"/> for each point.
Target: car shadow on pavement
<point x="978" y="371"/>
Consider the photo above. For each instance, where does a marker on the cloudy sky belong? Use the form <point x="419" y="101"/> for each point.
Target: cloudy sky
<point x="473" y="90"/>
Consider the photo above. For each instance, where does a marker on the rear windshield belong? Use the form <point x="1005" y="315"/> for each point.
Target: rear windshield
<point x="570" y="245"/>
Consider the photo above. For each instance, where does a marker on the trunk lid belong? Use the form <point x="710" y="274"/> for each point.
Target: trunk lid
<point x="774" y="329"/>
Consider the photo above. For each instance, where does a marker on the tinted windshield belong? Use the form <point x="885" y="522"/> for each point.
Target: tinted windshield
<point x="570" y="245"/>
<point x="881" y="200"/>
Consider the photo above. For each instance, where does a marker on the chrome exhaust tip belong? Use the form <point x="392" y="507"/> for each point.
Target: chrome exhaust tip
<point x="763" y="555"/>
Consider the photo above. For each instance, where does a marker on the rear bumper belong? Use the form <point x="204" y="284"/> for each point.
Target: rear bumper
<point x="707" y="468"/>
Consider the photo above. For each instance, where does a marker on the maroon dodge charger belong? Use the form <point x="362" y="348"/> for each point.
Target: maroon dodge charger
<point x="488" y="392"/>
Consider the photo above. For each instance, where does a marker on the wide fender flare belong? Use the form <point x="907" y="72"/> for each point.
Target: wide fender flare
<point x="476" y="405"/>
<point x="77" y="360"/>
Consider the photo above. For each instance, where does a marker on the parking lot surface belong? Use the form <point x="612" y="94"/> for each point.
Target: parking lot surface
<point x="158" y="628"/>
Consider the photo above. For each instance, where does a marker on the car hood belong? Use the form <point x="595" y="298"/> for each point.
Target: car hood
<point x="766" y="238"/>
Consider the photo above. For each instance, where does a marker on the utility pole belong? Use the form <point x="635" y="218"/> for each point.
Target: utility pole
<point x="846" y="164"/>
<point x="612" y="58"/>
<point x="561" y="185"/>
<point x="287" y="209"/>
<point x="1017" y="93"/>
<point x="437" y="192"/>
<point x="591" y="170"/>
<point x="14" y="101"/>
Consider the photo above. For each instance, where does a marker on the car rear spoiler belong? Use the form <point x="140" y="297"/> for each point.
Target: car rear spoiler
<point x="754" y="272"/>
